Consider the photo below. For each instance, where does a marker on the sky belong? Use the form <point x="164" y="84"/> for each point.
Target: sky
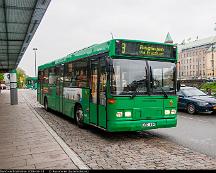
<point x="71" y="25"/>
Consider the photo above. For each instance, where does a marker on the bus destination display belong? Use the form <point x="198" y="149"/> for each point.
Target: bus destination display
<point x="144" y="49"/>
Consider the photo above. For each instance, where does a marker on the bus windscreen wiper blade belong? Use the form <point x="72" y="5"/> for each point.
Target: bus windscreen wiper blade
<point x="165" y="94"/>
<point x="133" y="94"/>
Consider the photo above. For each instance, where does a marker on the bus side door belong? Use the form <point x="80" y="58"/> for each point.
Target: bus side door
<point x="93" y="118"/>
<point x="98" y="92"/>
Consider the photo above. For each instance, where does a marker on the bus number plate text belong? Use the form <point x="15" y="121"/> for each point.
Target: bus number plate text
<point x="149" y="124"/>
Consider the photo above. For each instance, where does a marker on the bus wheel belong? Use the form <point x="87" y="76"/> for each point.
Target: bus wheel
<point x="79" y="117"/>
<point x="46" y="104"/>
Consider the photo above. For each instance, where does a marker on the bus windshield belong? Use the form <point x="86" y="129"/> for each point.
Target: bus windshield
<point x="162" y="75"/>
<point x="130" y="76"/>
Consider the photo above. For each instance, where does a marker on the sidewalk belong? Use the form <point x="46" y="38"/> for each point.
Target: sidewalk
<point x="25" y="141"/>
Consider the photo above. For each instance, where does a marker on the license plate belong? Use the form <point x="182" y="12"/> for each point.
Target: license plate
<point x="149" y="124"/>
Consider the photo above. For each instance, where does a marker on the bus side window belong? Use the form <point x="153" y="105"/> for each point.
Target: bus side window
<point x="59" y="79"/>
<point x="52" y="76"/>
<point x="52" y="80"/>
<point x="68" y="75"/>
<point x="79" y="77"/>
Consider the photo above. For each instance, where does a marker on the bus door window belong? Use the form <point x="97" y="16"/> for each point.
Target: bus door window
<point x="103" y="81"/>
<point x="94" y="76"/>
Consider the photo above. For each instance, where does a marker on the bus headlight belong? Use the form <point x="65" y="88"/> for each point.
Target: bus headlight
<point x="127" y="114"/>
<point x="173" y="111"/>
<point x="119" y="114"/>
<point x="167" y="112"/>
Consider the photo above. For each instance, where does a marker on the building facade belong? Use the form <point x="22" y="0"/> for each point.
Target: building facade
<point x="197" y="59"/>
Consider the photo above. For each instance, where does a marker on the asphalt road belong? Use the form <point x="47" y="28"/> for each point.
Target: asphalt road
<point x="197" y="132"/>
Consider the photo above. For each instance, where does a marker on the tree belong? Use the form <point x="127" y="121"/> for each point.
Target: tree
<point x="21" y="78"/>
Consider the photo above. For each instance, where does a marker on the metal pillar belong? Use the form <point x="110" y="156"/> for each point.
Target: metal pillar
<point x="13" y="88"/>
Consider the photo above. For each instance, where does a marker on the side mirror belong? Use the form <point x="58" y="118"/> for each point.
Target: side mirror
<point x="178" y="85"/>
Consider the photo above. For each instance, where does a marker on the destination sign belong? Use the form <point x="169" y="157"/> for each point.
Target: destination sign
<point x="145" y="49"/>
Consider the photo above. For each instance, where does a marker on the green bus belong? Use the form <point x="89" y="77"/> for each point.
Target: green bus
<point x="119" y="85"/>
<point x="31" y="82"/>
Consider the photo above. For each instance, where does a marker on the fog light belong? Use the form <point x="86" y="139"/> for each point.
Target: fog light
<point x="127" y="114"/>
<point x="119" y="114"/>
<point x="167" y="112"/>
<point x="173" y="111"/>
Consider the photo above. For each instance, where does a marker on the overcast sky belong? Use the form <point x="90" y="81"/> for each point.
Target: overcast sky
<point x="70" y="25"/>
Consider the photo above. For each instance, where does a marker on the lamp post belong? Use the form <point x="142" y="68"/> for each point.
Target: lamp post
<point x="35" y="49"/>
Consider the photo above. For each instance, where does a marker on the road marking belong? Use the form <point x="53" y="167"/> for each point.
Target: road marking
<point x="71" y="154"/>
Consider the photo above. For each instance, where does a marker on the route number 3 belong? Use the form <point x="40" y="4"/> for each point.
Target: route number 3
<point x="123" y="48"/>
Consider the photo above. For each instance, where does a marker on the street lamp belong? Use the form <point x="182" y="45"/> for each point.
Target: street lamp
<point x="35" y="49"/>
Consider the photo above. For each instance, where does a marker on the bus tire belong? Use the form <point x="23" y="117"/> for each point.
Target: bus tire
<point x="46" y="104"/>
<point x="79" y="117"/>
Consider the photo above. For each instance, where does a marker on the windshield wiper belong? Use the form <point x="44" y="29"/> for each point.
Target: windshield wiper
<point x="133" y="94"/>
<point x="165" y="94"/>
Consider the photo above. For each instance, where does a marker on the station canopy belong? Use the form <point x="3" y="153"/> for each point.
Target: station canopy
<point x="19" y="20"/>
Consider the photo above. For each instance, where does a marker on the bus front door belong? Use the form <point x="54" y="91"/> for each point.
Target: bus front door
<point x="98" y="93"/>
<point x="94" y="92"/>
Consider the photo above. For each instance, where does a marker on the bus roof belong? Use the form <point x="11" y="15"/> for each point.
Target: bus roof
<point x="93" y="50"/>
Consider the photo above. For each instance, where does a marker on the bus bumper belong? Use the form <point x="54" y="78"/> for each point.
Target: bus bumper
<point x="141" y="125"/>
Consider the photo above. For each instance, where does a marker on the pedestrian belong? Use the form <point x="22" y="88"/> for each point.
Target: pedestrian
<point x="209" y="91"/>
